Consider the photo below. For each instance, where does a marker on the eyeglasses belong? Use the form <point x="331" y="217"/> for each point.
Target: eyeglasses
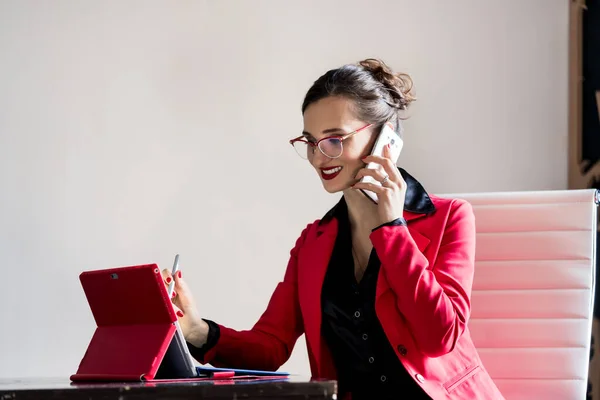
<point x="331" y="146"/>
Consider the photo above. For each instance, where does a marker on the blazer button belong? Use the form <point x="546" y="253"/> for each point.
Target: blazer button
<point x="420" y="378"/>
<point x="402" y="350"/>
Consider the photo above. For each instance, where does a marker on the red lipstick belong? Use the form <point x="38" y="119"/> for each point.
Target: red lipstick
<point x="330" y="172"/>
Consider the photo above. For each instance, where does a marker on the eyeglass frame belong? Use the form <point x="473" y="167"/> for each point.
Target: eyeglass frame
<point x="316" y="144"/>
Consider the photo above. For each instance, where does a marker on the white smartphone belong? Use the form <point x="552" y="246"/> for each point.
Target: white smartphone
<point x="386" y="135"/>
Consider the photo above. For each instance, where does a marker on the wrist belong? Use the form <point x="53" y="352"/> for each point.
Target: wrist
<point x="394" y="222"/>
<point x="198" y="334"/>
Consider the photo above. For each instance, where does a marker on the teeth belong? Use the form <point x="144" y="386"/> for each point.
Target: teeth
<point x="332" y="171"/>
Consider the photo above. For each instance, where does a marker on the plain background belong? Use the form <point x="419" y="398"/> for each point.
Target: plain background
<point x="134" y="130"/>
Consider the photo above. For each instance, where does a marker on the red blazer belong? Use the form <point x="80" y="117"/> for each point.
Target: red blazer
<point x="422" y="301"/>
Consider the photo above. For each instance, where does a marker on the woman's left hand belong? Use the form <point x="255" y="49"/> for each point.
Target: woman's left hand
<point x="393" y="190"/>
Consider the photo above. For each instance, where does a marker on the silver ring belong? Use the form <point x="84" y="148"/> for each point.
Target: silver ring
<point x="385" y="179"/>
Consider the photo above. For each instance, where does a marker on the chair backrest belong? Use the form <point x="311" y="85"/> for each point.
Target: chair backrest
<point x="533" y="291"/>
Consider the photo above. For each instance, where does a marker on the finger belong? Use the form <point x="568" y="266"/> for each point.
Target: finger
<point x="183" y="298"/>
<point x="377" y="174"/>
<point x="178" y="311"/>
<point x="386" y="151"/>
<point x="387" y="165"/>
<point x="175" y="298"/>
<point x="177" y="276"/>
<point x="179" y="283"/>
<point x="168" y="280"/>
<point x="379" y="190"/>
<point x="385" y="162"/>
<point x="166" y="275"/>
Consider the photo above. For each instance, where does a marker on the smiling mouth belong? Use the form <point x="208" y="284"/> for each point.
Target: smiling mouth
<point x="330" y="173"/>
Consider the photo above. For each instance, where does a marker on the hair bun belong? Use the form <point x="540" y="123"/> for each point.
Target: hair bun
<point x="398" y="85"/>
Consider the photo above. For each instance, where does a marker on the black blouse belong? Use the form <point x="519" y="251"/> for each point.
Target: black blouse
<point x="366" y="363"/>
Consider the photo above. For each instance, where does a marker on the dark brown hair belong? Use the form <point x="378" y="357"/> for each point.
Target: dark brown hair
<point x="379" y="94"/>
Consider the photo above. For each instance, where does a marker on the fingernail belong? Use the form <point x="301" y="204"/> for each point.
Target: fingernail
<point x="179" y="274"/>
<point x="179" y="314"/>
<point x="174" y="294"/>
<point x="169" y="279"/>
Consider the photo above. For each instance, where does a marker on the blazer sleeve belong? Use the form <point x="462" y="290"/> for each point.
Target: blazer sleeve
<point x="435" y="300"/>
<point x="271" y="340"/>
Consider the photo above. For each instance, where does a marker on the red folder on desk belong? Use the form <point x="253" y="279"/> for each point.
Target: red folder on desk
<point x="135" y="324"/>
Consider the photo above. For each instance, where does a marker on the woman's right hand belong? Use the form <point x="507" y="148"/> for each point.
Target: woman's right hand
<point x="195" y="329"/>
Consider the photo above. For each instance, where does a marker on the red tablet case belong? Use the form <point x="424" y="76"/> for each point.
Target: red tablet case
<point x="135" y="324"/>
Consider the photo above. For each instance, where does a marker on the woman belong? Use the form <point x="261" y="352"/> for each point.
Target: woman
<point x="382" y="291"/>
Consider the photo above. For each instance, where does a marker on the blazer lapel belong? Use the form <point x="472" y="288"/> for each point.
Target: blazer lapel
<point x="421" y="241"/>
<point x="412" y="222"/>
<point x="313" y="260"/>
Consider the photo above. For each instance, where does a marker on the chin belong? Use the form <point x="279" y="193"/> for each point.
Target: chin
<point x="331" y="190"/>
<point x="334" y="187"/>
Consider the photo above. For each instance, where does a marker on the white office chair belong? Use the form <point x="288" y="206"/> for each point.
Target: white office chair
<point x="533" y="290"/>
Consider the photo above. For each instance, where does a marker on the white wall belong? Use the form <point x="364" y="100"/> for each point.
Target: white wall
<point x="130" y="131"/>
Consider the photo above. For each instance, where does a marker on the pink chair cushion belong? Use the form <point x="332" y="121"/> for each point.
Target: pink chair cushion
<point x="533" y="290"/>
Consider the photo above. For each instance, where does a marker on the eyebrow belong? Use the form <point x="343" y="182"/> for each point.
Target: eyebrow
<point x="326" y="131"/>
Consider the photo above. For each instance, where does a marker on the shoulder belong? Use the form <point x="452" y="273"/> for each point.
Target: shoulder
<point x="308" y="231"/>
<point x="451" y="205"/>
<point x="311" y="227"/>
<point x="454" y="216"/>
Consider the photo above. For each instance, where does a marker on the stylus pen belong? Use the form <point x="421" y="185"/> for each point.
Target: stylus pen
<point x="173" y="272"/>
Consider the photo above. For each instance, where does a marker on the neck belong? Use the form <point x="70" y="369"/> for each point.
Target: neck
<point x="362" y="212"/>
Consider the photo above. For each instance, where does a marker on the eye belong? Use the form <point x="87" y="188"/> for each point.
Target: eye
<point x="333" y="142"/>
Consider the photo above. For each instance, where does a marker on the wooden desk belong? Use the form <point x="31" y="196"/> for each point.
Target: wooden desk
<point x="46" y="388"/>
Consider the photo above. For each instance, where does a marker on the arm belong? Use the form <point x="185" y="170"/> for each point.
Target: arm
<point x="270" y="342"/>
<point x="435" y="300"/>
